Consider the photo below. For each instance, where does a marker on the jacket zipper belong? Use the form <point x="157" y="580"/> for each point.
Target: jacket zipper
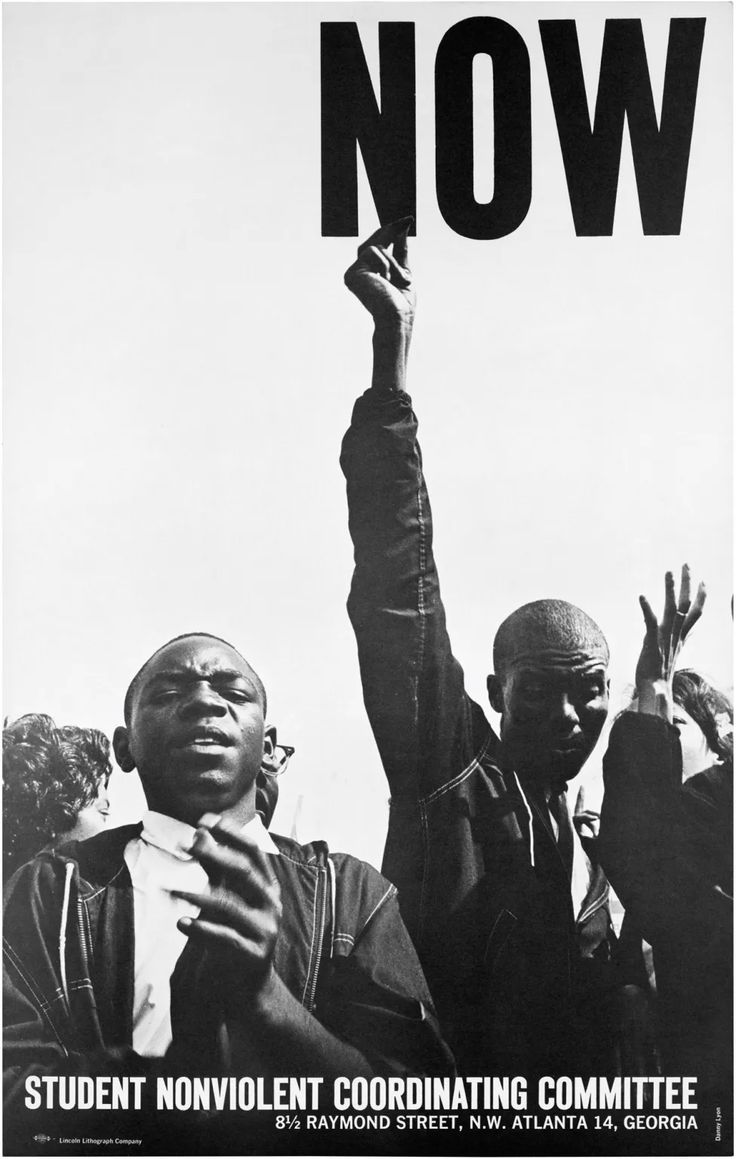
<point x="320" y="925"/>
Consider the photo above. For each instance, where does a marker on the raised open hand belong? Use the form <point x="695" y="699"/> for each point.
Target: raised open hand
<point x="380" y="277"/>
<point x="663" y="640"/>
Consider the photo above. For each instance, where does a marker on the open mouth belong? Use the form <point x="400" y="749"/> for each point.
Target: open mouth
<point x="203" y="738"/>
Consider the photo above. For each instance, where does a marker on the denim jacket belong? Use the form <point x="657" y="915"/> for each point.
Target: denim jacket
<point x="521" y="983"/>
<point x="668" y="848"/>
<point x="342" y="951"/>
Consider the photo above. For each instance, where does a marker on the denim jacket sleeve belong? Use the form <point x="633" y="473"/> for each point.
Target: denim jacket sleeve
<point x="374" y="994"/>
<point x="663" y="846"/>
<point x="50" y="1017"/>
<point x="413" y="686"/>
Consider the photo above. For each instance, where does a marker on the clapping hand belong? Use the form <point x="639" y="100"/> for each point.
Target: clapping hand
<point x="239" y="918"/>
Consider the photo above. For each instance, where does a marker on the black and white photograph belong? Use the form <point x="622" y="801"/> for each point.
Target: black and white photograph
<point x="368" y="694"/>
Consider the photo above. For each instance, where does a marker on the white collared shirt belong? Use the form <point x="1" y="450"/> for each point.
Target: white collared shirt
<point x="582" y="874"/>
<point x="582" y="870"/>
<point x="158" y="862"/>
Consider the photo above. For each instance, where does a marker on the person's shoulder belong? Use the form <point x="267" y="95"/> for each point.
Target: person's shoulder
<point x="112" y="837"/>
<point x="711" y="792"/>
<point x="356" y="882"/>
<point x="94" y="860"/>
<point x="312" y="853"/>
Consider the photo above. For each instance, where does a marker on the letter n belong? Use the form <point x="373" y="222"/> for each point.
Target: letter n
<point x="592" y="159"/>
<point x="351" y="117"/>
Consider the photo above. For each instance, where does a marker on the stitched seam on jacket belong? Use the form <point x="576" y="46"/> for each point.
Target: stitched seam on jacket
<point x="389" y="893"/>
<point x="499" y="949"/>
<point x="421" y="609"/>
<point x="425" y="863"/>
<point x="82" y="984"/>
<point x="30" y="982"/>
<point x="43" y="1005"/>
<point x="595" y="905"/>
<point x="457" y="780"/>
<point x="703" y="798"/>
<point x="89" y="896"/>
<point x="311" y="863"/>
<point x="47" y="1003"/>
<point x="499" y="915"/>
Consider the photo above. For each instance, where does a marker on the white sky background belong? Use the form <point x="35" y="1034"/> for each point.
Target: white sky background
<point x="181" y="359"/>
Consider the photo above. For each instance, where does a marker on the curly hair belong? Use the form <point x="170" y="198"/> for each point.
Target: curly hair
<point x="710" y="708"/>
<point x="50" y="774"/>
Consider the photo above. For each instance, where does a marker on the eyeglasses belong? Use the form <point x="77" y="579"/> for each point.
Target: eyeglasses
<point x="278" y="761"/>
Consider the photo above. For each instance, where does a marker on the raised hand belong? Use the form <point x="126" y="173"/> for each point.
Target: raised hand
<point x="380" y="278"/>
<point x="663" y="641"/>
<point x="240" y="917"/>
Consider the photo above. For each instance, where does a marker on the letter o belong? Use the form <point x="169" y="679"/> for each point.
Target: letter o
<point x="359" y="1094"/>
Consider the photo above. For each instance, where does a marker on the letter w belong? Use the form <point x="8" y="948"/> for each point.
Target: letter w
<point x="592" y="159"/>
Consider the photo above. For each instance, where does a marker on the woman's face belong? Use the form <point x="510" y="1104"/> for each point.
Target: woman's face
<point x="93" y="818"/>
<point x="696" y="752"/>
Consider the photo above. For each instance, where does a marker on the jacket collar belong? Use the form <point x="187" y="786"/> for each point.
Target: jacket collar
<point x="99" y="858"/>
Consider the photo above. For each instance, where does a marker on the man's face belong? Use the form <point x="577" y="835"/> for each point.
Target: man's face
<point x="553" y="711"/>
<point x="196" y="730"/>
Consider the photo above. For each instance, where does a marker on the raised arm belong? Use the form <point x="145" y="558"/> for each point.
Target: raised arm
<point x="426" y="729"/>
<point x="656" y="840"/>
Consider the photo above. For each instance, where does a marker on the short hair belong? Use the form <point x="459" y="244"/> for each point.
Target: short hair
<point x="710" y="708"/>
<point x="137" y="679"/>
<point x="50" y="774"/>
<point x="544" y="624"/>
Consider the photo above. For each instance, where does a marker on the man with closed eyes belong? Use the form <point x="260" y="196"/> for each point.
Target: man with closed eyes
<point x="197" y="942"/>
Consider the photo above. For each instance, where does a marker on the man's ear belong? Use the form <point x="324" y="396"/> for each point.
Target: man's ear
<point x="121" y="748"/>
<point x="495" y="692"/>
<point x="268" y="761"/>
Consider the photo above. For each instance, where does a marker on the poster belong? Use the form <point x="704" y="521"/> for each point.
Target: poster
<point x="182" y="358"/>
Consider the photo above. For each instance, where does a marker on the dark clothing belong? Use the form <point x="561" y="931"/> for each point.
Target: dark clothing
<point x="521" y="986"/>
<point x="342" y="951"/>
<point x="668" y="849"/>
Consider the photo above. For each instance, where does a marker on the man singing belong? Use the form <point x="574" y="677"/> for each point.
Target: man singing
<point x="197" y="943"/>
